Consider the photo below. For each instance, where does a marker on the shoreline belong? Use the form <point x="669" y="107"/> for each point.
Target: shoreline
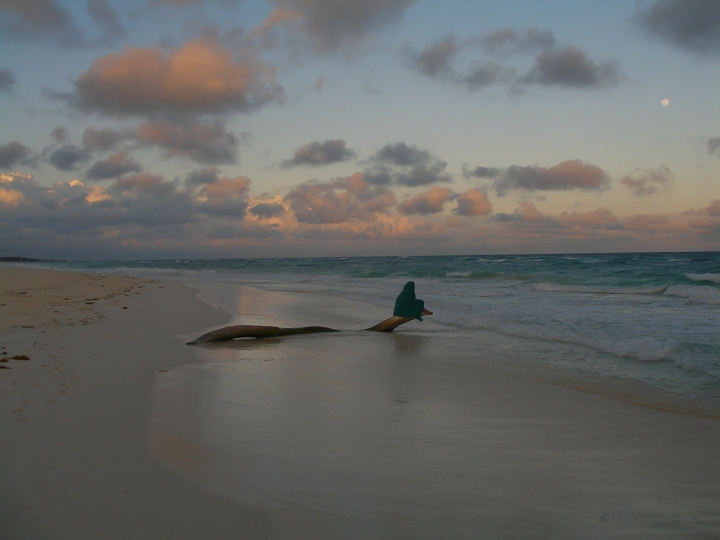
<point x="630" y="391"/>
<point x="74" y="461"/>
<point x="78" y="461"/>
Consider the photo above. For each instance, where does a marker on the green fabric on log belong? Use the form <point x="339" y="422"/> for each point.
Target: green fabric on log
<point x="406" y="305"/>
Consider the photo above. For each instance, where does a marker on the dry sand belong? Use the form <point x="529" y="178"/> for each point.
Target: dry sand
<point x="555" y="461"/>
<point x="73" y="418"/>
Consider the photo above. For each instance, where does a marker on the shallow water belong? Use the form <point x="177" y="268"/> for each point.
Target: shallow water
<point x="428" y="432"/>
<point x="652" y="317"/>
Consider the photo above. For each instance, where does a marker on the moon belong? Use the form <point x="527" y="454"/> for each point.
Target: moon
<point x="665" y="102"/>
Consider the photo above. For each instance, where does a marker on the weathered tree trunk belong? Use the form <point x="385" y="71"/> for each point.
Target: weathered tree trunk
<point x="388" y="325"/>
<point x="249" y="331"/>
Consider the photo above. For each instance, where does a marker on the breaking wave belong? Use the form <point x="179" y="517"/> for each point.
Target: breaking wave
<point x="714" y="278"/>
<point x="708" y="295"/>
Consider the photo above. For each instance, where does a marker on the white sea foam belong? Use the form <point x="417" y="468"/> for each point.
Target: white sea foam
<point x="458" y="274"/>
<point x="646" y="348"/>
<point x="714" y="278"/>
<point x="552" y="287"/>
<point x="708" y="295"/>
<point x="149" y="272"/>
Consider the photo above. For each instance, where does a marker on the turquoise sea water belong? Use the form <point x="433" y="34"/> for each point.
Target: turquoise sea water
<point x="653" y="317"/>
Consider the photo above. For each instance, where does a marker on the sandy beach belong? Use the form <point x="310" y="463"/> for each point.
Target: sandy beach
<point x="114" y="429"/>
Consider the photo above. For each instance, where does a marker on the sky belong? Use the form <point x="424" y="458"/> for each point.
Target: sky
<point x="276" y="128"/>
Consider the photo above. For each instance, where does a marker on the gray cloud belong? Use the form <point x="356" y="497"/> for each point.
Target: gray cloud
<point x="75" y="208"/>
<point x="187" y="3"/>
<point x="402" y="154"/>
<point x="206" y="175"/>
<point x="334" y="23"/>
<point x="201" y="142"/>
<point x="15" y="153"/>
<point x="649" y="181"/>
<point x="113" y="166"/>
<point x="267" y="210"/>
<point x="145" y="211"/>
<point x="437" y="62"/>
<point x="423" y="176"/>
<point x="379" y="175"/>
<point x="224" y="197"/>
<point x="483" y="75"/>
<point x="405" y="164"/>
<point x="437" y="59"/>
<point x="207" y="142"/>
<point x="571" y="67"/>
<point x="7" y="80"/>
<point x="713" y="145"/>
<point x="104" y="139"/>
<point x="506" y="41"/>
<point x="68" y="156"/>
<point x="59" y="133"/>
<point x="341" y="200"/>
<point x="568" y="66"/>
<point x="690" y="25"/>
<point x="481" y="172"/>
<point x="320" y="153"/>
<point x="26" y="19"/>
<point x="106" y="18"/>
<point x="571" y="174"/>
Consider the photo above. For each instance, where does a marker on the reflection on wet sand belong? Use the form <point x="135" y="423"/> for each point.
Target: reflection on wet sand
<point x="425" y="434"/>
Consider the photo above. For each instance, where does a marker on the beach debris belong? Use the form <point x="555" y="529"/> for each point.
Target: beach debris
<point x="5" y="367"/>
<point x="250" y="331"/>
<point x="16" y="357"/>
<point x="163" y="370"/>
<point x="124" y="307"/>
<point x="407" y="308"/>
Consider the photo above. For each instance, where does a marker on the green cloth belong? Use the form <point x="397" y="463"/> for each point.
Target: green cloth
<point x="406" y="305"/>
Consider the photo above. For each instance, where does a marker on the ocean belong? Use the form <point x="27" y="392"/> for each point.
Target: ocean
<point x="649" y="317"/>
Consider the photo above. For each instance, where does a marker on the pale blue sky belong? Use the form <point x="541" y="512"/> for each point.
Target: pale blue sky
<point x="373" y="93"/>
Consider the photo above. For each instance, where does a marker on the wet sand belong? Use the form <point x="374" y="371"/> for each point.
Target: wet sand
<point x="113" y="429"/>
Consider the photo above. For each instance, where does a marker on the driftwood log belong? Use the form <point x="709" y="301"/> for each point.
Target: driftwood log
<point x="250" y="331"/>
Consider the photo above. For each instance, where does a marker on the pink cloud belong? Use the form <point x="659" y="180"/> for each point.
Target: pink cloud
<point x="473" y="202"/>
<point x="431" y="201"/>
<point x="338" y="201"/>
<point x="199" y="77"/>
<point x="649" y="181"/>
<point x="598" y="218"/>
<point x="714" y="208"/>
